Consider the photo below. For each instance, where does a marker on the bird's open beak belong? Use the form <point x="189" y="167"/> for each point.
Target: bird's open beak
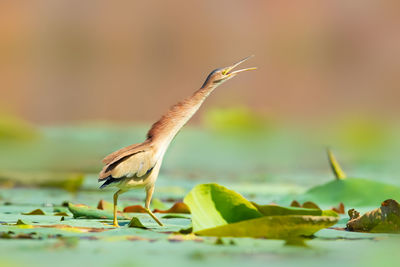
<point x="228" y="71"/>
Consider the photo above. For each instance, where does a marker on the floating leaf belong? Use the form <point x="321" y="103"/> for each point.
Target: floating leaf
<point x="214" y="205"/>
<point x="136" y="223"/>
<point x="23" y="225"/>
<point x="61" y="208"/>
<point x="274" y="227"/>
<point x="105" y="205"/>
<point x="35" y="212"/>
<point x="11" y="235"/>
<point x="61" y="214"/>
<point x="217" y="211"/>
<point x="307" y="205"/>
<point x="81" y="211"/>
<point x="351" y="191"/>
<point x="273" y="210"/>
<point x="67" y="181"/>
<point x="178" y="207"/>
<point x="186" y="231"/>
<point x="175" y="216"/>
<point x="385" y="219"/>
<point x="339" y="209"/>
<point x="20" y="222"/>
<point x="219" y="241"/>
<point x="135" y="209"/>
<point x="295" y="203"/>
<point x="310" y="205"/>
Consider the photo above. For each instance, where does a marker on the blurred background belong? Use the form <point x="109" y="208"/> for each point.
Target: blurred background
<point x="82" y="78"/>
<point x="67" y="61"/>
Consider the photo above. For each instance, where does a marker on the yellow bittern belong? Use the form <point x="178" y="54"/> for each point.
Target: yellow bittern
<point x="138" y="165"/>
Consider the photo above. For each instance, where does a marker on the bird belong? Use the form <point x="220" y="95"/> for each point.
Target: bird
<point x="138" y="165"/>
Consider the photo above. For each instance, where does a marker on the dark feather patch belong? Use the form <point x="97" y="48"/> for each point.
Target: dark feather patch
<point x="109" y="180"/>
<point x="149" y="170"/>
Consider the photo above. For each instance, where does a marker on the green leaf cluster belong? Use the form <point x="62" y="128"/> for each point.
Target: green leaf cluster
<point x="218" y="211"/>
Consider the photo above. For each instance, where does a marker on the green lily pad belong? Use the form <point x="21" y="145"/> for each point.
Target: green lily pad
<point x="213" y="205"/>
<point x="350" y="191"/>
<point x="70" y="182"/>
<point x="217" y="211"/>
<point x="81" y="211"/>
<point x="274" y="227"/>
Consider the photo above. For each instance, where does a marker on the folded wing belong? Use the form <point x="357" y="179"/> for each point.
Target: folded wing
<point x="135" y="160"/>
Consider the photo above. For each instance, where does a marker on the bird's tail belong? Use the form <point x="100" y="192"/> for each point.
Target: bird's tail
<point x="109" y="180"/>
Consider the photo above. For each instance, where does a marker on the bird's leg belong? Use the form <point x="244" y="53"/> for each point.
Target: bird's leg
<point x="115" y="221"/>
<point x="149" y="194"/>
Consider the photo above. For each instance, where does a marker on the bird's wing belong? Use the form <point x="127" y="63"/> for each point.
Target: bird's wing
<point x="115" y="155"/>
<point x="135" y="160"/>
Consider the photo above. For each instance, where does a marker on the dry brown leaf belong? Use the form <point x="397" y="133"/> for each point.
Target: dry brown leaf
<point x="178" y="207"/>
<point x="339" y="209"/>
<point x="61" y="214"/>
<point x="135" y="208"/>
<point x="295" y="204"/>
<point x="385" y="219"/>
<point x="35" y="212"/>
<point x="310" y="205"/>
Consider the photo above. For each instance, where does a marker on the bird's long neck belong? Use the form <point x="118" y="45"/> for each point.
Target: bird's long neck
<point x="164" y="130"/>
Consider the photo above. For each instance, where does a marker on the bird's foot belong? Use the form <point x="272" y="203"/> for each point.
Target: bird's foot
<point x="115" y="224"/>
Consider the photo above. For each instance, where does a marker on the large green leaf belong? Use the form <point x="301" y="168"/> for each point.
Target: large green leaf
<point x="213" y="205"/>
<point x="352" y="192"/>
<point x="275" y="227"/>
<point x="217" y="211"/>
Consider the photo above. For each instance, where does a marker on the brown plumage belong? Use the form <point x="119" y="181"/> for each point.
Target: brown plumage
<point x="138" y="165"/>
<point x="117" y="157"/>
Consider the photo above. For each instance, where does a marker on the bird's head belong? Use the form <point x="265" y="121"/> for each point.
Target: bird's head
<point x="221" y="75"/>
